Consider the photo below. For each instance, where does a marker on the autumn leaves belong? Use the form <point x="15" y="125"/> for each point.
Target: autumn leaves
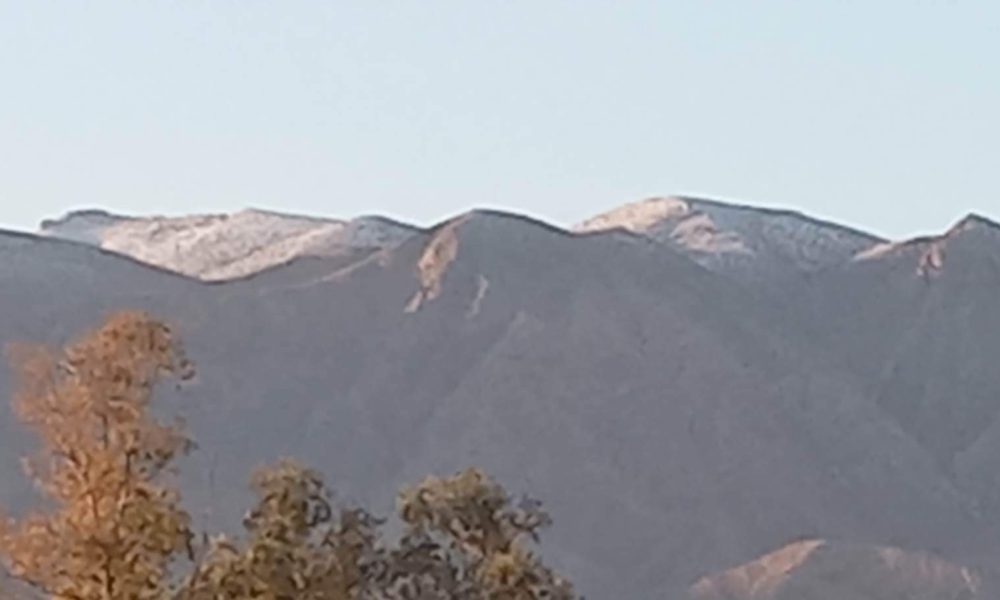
<point x="114" y="527"/>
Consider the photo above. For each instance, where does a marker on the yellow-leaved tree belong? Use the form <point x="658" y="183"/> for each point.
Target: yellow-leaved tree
<point x="113" y="527"/>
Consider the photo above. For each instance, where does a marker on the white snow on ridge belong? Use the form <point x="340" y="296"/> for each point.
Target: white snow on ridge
<point x="751" y="243"/>
<point x="737" y="238"/>
<point x="638" y="217"/>
<point x="225" y="246"/>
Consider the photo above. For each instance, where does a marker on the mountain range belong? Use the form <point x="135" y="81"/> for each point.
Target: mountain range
<point x="714" y="401"/>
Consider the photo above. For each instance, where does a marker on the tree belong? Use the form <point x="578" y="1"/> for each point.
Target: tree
<point x="297" y="545"/>
<point x="114" y="527"/>
<point x="469" y="524"/>
<point x="463" y="541"/>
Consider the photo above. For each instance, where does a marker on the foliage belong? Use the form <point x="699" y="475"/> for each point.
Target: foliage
<point x="470" y="522"/>
<point x="116" y="527"/>
<point x="463" y="541"/>
<point x="296" y="547"/>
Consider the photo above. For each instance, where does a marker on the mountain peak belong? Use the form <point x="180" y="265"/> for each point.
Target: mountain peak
<point x="82" y="225"/>
<point x="638" y="217"/>
<point x="741" y="240"/>
<point x="224" y="246"/>
<point x="930" y="251"/>
<point x="672" y="219"/>
<point x="973" y="220"/>
<point x="84" y="213"/>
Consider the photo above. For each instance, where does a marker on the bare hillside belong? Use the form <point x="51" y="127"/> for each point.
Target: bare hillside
<point x="917" y="323"/>
<point x="675" y="421"/>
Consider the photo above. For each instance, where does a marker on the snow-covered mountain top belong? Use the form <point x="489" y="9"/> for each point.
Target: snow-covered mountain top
<point x="750" y="243"/>
<point x="638" y="217"/>
<point x="225" y="246"/>
<point x="732" y="237"/>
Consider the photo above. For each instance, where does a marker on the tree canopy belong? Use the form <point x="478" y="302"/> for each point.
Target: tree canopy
<point x="116" y="528"/>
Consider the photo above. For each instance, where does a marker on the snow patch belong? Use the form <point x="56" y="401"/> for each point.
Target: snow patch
<point x="637" y="217"/>
<point x="670" y="219"/>
<point x="225" y="246"/>
<point x="700" y="234"/>
<point x="746" y="241"/>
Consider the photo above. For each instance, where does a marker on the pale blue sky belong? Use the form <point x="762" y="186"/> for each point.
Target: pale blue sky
<point x="883" y="114"/>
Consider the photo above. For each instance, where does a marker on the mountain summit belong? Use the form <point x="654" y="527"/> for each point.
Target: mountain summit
<point x="225" y="246"/>
<point x="744" y="241"/>
<point x="748" y="242"/>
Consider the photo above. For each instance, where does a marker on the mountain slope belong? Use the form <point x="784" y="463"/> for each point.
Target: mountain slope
<point x="672" y="426"/>
<point x="49" y="291"/>
<point x="221" y="247"/>
<point x="916" y="324"/>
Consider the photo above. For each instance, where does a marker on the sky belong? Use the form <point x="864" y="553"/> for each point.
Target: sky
<point x="883" y="115"/>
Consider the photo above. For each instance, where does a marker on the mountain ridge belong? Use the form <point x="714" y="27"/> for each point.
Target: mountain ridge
<point x="698" y="234"/>
<point x="64" y="243"/>
<point x="678" y="416"/>
<point x="225" y="246"/>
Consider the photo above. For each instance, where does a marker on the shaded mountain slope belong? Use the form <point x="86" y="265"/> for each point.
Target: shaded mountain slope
<point x="673" y="425"/>
<point x="917" y="323"/>
<point x="51" y="290"/>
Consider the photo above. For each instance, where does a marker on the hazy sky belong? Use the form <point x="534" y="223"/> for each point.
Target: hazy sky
<point x="882" y="114"/>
